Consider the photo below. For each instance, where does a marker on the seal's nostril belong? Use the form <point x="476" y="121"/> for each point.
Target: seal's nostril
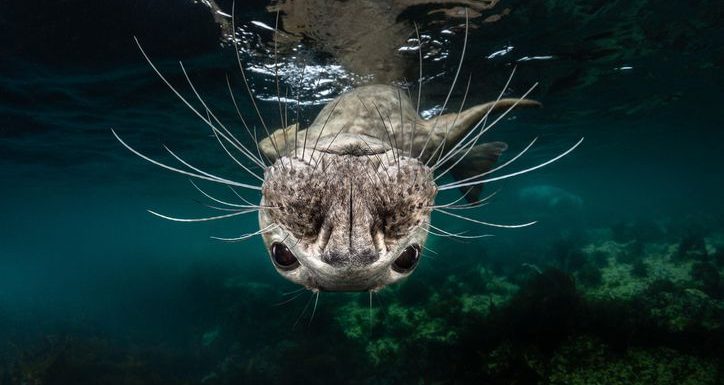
<point x="357" y="259"/>
<point x="335" y="259"/>
<point x="366" y="257"/>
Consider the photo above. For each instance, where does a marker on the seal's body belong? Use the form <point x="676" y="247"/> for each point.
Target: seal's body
<point x="350" y="197"/>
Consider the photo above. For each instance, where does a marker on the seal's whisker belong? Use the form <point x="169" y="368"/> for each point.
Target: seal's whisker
<point x="314" y="308"/>
<point x="204" y="176"/>
<point x="248" y="235"/>
<point x="246" y="82"/>
<point x="376" y="193"/>
<point x="303" y="310"/>
<point x="394" y="137"/>
<point x="460" y="207"/>
<point x="329" y="145"/>
<point x="465" y="206"/>
<point x="294" y="291"/>
<point x="243" y="122"/>
<point x="513" y="159"/>
<point x="483" y="121"/>
<point x="286" y="112"/>
<point x="445" y="234"/>
<point x="452" y="87"/>
<point x="240" y="197"/>
<point x="218" y="208"/>
<point x="440" y="149"/>
<point x="316" y="142"/>
<point x="419" y="90"/>
<point x="465" y="194"/>
<point x="206" y="219"/>
<point x="473" y="183"/>
<point x="486" y="223"/>
<point x="178" y="158"/>
<point x="429" y="250"/>
<point x="402" y="120"/>
<point x="379" y="159"/>
<point x="383" y="123"/>
<point x="369" y="313"/>
<point x="471" y="144"/>
<point x="178" y="94"/>
<point x="227" y="135"/>
<point x="282" y="117"/>
<point x="204" y="193"/>
<point x="459" y="235"/>
<point x="389" y="137"/>
<point x="290" y="299"/>
<point x="226" y="150"/>
<point x="298" y="97"/>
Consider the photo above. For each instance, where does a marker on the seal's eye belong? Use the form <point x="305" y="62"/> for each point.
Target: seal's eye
<point x="407" y="260"/>
<point x="283" y="257"/>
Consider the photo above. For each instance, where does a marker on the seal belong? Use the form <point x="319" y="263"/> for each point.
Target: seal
<point x="346" y="203"/>
<point x="353" y="192"/>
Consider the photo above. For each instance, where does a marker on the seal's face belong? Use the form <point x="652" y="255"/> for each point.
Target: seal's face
<point x="346" y="222"/>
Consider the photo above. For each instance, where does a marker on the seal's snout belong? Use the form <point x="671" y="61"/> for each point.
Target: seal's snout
<point x="352" y="259"/>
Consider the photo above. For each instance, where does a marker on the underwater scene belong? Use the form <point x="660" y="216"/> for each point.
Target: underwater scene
<point x="361" y="192"/>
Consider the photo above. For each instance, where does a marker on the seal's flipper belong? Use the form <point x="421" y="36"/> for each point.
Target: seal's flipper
<point x="281" y="142"/>
<point x="454" y="126"/>
<point x="481" y="159"/>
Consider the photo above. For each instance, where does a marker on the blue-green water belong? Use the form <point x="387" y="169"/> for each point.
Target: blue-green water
<point x="619" y="282"/>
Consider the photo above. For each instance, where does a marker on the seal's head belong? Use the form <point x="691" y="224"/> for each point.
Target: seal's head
<point x="346" y="221"/>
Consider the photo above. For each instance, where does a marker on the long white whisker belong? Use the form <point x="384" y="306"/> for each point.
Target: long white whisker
<point x="206" y="219"/>
<point x="458" y="235"/>
<point x="473" y="183"/>
<point x="321" y="130"/>
<point x="303" y="310"/>
<point x="441" y="147"/>
<point x="294" y="291"/>
<point x="243" y="121"/>
<point x="246" y="82"/>
<point x="199" y="176"/>
<point x="227" y="209"/>
<point x="227" y="135"/>
<point x="282" y="118"/>
<point x="218" y="139"/>
<point x="510" y="161"/>
<point x="314" y="308"/>
<point x="189" y="165"/>
<point x="486" y="223"/>
<point x="240" y="197"/>
<point x="429" y="250"/>
<point x="369" y="313"/>
<point x="186" y="102"/>
<point x="473" y="141"/>
<point x="290" y="299"/>
<point x="419" y="90"/>
<point x="454" y="206"/>
<point x="482" y="121"/>
<point x="249" y="235"/>
<point x="452" y="86"/>
<point x="204" y="193"/>
<point x="395" y="155"/>
<point x="383" y="124"/>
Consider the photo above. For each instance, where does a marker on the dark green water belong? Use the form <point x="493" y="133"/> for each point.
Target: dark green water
<point x="620" y="282"/>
